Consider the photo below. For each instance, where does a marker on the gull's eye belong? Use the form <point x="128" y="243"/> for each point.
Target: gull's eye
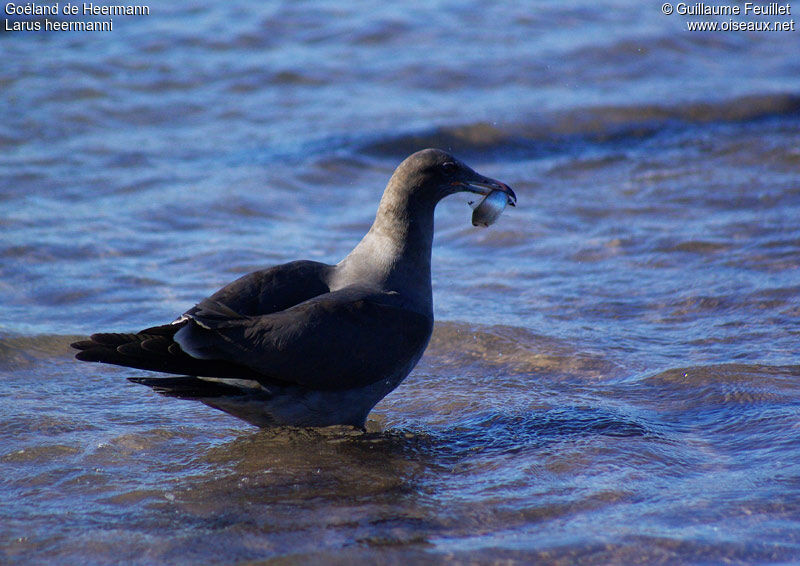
<point x="449" y="167"/>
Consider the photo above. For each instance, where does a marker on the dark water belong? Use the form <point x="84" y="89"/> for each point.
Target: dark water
<point x="615" y="370"/>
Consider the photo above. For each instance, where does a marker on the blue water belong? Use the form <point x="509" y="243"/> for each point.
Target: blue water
<point x="615" y="371"/>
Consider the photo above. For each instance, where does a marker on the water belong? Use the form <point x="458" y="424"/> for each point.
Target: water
<point x="615" y="371"/>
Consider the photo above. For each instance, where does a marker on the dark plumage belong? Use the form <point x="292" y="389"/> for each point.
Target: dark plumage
<point x="305" y="343"/>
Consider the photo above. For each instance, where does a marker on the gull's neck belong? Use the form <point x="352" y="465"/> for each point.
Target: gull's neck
<point x="395" y="255"/>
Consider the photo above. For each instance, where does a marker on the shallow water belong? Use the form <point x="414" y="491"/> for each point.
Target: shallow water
<point x="615" y="369"/>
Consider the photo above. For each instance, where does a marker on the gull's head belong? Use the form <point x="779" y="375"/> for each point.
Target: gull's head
<point x="432" y="174"/>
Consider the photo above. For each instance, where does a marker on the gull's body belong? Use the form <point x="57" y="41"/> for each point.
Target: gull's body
<point x="306" y="343"/>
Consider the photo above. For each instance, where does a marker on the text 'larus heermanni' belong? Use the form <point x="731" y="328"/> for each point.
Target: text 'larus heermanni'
<point x="306" y="343"/>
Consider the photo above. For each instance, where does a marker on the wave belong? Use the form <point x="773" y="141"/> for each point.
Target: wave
<point x="511" y="350"/>
<point x="555" y="132"/>
<point x="19" y="351"/>
<point x="724" y="385"/>
<point x="515" y="350"/>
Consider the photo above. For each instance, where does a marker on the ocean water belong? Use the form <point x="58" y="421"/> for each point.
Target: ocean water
<point x="614" y="375"/>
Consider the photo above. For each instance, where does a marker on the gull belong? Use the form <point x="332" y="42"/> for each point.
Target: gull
<point x="306" y="343"/>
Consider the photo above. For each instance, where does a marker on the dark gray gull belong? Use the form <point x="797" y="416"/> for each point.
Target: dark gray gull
<point x="306" y="343"/>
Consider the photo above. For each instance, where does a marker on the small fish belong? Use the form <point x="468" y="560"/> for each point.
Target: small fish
<point x="489" y="209"/>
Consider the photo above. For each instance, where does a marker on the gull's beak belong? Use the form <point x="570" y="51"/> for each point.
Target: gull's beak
<point x="485" y="185"/>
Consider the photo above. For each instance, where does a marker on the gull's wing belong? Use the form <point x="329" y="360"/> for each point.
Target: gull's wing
<point x="261" y="292"/>
<point x="271" y="290"/>
<point x="345" y="339"/>
<point x="279" y="326"/>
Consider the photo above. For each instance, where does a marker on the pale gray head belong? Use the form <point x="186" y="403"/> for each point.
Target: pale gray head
<point x="429" y="175"/>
